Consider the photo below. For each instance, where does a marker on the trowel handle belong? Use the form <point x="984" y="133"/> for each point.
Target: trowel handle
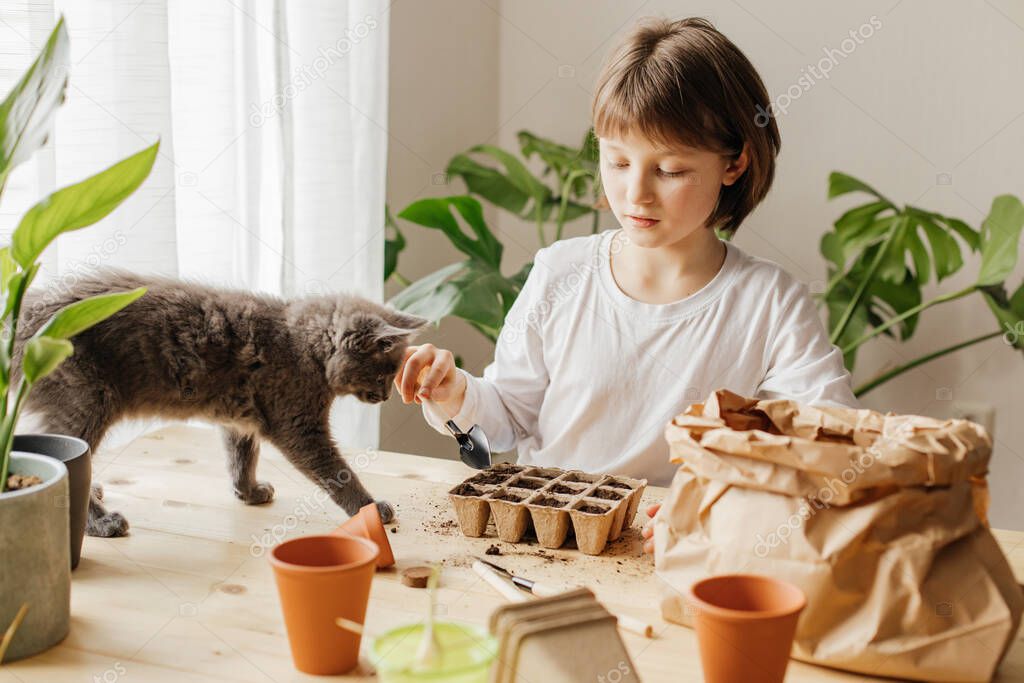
<point x="442" y="417"/>
<point x="545" y="590"/>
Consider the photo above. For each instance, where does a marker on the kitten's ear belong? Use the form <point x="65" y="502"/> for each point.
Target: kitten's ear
<point x="398" y="326"/>
<point x="404" y="321"/>
<point x="369" y="333"/>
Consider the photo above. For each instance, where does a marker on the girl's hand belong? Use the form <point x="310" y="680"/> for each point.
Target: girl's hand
<point x="648" y="531"/>
<point x="430" y="372"/>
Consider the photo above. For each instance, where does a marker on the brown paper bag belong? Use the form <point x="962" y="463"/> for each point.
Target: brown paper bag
<point x="878" y="518"/>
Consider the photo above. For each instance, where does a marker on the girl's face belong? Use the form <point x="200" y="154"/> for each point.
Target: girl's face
<point x="677" y="188"/>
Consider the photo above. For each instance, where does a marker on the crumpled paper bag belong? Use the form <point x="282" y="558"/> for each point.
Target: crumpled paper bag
<point x="880" y="519"/>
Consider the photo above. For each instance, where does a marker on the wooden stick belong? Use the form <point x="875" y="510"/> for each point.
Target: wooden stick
<point x="9" y="634"/>
<point x="503" y="587"/>
<point x="513" y="594"/>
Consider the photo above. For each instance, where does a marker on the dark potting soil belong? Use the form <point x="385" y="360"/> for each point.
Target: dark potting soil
<point x="489" y="478"/>
<point x="562" y="488"/>
<point x="607" y="495"/>
<point x="467" y="490"/>
<point x="618" y="485"/>
<point x="509" y="496"/>
<point x="524" y="483"/>
<point x="17" y="481"/>
<point x="592" y="509"/>
<point x="549" y="502"/>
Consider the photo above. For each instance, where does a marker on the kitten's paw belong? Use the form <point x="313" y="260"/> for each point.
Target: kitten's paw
<point x="110" y="525"/>
<point x="386" y="510"/>
<point x="97" y="491"/>
<point x="262" y="492"/>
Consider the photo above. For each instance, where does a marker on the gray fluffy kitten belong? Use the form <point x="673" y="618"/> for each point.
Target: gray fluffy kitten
<point x="261" y="367"/>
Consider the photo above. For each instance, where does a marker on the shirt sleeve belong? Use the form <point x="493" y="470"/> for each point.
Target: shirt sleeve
<point x="506" y="401"/>
<point x="802" y="364"/>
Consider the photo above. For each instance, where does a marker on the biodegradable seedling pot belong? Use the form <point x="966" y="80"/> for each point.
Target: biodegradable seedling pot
<point x="550" y="516"/>
<point x="472" y="511"/>
<point x="593" y="525"/>
<point x="319" y="579"/>
<point x="35" y="561"/>
<point x="367" y="524"/>
<point x="511" y="518"/>
<point x="745" y="625"/>
<point x="76" y="456"/>
<point x="517" y="499"/>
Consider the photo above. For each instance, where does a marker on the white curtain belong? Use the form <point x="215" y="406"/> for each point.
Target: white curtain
<point x="272" y="118"/>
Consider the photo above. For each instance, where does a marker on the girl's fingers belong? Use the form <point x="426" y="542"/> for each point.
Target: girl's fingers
<point x="413" y="366"/>
<point x="652" y="509"/>
<point x="409" y="350"/>
<point x="438" y="371"/>
<point x="649" y="546"/>
<point x="647" y="531"/>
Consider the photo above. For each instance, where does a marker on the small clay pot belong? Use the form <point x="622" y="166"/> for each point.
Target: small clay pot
<point x="471" y="509"/>
<point x="745" y="625"/>
<point x="321" y="578"/>
<point x="367" y="524"/>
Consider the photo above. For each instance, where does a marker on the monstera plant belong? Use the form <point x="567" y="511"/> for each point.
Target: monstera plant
<point x="474" y="288"/>
<point x="880" y="256"/>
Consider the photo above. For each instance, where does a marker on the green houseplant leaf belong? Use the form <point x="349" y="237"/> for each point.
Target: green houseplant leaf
<point x="394" y="243"/>
<point x="475" y="290"/>
<point x="436" y="213"/>
<point x="26" y="114"/>
<point x="470" y="290"/>
<point x="25" y="122"/>
<point x="79" y="205"/>
<point x="840" y="184"/>
<point x="872" y="290"/>
<point x="81" y="315"/>
<point x="1000" y="234"/>
<point x="43" y="355"/>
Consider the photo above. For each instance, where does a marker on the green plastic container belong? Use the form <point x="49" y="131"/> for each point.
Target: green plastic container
<point x="467" y="653"/>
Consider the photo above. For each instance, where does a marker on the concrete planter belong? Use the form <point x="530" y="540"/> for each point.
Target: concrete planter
<point x="35" y="557"/>
<point x="77" y="457"/>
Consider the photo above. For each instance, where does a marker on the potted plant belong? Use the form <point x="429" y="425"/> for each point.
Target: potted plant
<point x="878" y="265"/>
<point x="475" y="289"/>
<point x="35" y="554"/>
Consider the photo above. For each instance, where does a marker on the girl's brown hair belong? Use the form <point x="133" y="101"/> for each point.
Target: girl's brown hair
<point x="684" y="82"/>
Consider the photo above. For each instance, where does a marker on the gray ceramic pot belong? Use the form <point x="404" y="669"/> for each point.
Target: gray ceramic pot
<point x="75" y="455"/>
<point x="35" y="557"/>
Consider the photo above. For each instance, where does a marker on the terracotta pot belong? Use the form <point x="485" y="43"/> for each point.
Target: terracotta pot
<point x="321" y="578"/>
<point x="76" y="456"/>
<point x="745" y="625"/>
<point x="367" y="524"/>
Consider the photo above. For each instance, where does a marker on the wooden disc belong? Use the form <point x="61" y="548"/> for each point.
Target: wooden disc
<point x="416" y="577"/>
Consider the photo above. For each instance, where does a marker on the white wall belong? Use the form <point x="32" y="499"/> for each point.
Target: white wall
<point x="935" y="90"/>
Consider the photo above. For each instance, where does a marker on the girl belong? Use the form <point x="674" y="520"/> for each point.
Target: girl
<point x="616" y="333"/>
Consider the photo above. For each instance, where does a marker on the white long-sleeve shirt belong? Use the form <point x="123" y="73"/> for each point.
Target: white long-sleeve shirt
<point x="586" y="377"/>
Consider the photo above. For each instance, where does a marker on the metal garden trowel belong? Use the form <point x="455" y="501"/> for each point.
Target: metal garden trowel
<point x="473" y="447"/>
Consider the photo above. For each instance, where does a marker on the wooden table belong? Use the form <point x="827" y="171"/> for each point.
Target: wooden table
<point x="189" y="595"/>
